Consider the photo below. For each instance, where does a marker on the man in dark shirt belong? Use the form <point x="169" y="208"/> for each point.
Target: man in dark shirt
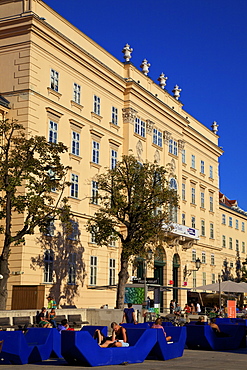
<point x="129" y="315"/>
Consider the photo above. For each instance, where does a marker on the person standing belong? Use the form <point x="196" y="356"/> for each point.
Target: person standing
<point x="129" y="315"/>
<point x="198" y="308"/>
<point x="51" y="303"/>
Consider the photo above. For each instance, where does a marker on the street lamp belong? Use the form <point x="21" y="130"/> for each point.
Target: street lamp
<point x="148" y="258"/>
<point x="187" y="272"/>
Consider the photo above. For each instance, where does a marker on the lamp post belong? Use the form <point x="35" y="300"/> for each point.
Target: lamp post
<point x="148" y="258"/>
<point x="189" y="272"/>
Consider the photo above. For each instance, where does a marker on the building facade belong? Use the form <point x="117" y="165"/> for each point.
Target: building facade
<point x="61" y="84"/>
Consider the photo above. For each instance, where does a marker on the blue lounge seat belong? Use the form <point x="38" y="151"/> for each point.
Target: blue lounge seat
<point x="91" y="329"/>
<point x="145" y="325"/>
<point x="46" y="343"/>
<point x="79" y="348"/>
<point x="15" y="347"/>
<point x="203" y="337"/>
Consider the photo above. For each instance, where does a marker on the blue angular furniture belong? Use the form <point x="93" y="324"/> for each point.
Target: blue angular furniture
<point x="15" y="348"/>
<point x="203" y="337"/>
<point x="91" y="329"/>
<point x="79" y="348"/>
<point x="46" y="343"/>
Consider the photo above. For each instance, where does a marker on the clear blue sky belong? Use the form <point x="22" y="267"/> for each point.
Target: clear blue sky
<point x="200" y="45"/>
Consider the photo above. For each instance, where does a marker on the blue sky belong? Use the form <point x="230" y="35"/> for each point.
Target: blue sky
<point x="200" y="45"/>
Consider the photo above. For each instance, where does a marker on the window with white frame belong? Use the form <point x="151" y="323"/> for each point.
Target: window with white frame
<point x="202" y="167"/>
<point x="211" y="172"/>
<point x="193" y="222"/>
<point x="183" y="156"/>
<point x="243" y="227"/>
<point x="230" y="221"/>
<point x="157" y="137"/>
<point x="194" y="279"/>
<point x="95" y="193"/>
<point x="211" y="230"/>
<point x="113" y="158"/>
<point x="243" y="247"/>
<point x="212" y="259"/>
<point x="74" y="187"/>
<point x="93" y="237"/>
<point x="77" y="93"/>
<point x="48" y="266"/>
<point x="183" y="218"/>
<point x="72" y="269"/>
<point x="204" y="278"/>
<point x="54" y="80"/>
<point x="183" y="191"/>
<point x="50" y="228"/>
<point x="193" y="161"/>
<point x="75" y="145"/>
<point x="193" y="259"/>
<point x="93" y="270"/>
<point x="74" y="230"/>
<point x="230" y="243"/>
<point x="231" y="265"/>
<point x="112" y="271"/>
<point x="53" y="132"/>
<point x="202" y="199"/>
<point x="96" y="105"/>
<point x="223" y="219"/>
<point x="173" y="210"/>
<point x="193" y="195"/>
<point x="237" y="245"/>
<point x="223" y="241"/>
<point x="114" y="116"/>
<point x="213" y="279"/>
<point x="236" y="223"/>
<point x="203" y="257"/>
<point x="211" y="203"/>
<point x="203" y="228"/>
<point x="95" y="152"/>
<point x="140" y="127"/>
<point x="173" y="147"/>
<point x="112" y="242"/>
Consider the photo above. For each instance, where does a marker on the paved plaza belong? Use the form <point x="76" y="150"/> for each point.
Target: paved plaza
<point x="191" y="359"/>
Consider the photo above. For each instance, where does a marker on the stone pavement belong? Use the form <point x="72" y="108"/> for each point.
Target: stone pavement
<point x="192" y="359"/>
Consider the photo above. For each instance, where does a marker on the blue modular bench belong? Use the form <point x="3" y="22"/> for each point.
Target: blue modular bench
<point x="15" y="348"/>
<point x="91" y="329"/>
<point x="79" y="348"/>
<point x="203" y="337"/>
<point x="46" y="343"/>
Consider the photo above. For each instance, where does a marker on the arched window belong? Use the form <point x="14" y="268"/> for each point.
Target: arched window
<point x="173" y="210"/>
<point x="48" y="265"/>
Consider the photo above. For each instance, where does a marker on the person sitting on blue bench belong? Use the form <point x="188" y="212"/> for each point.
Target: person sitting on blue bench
<point x="158" y="325"/>
<point x="216" y="329"/>
<point x="118" y="338"/>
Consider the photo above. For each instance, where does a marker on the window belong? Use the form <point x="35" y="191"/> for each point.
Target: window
<point x="230" y="243"/>
<point x="212" y="259"/>
<point x="48" y="265"/>
<point x="202" y="227"/>
<point x="96" y="105"/>
<point x="243" y="227"/>
<point x="77" y="93"/>
<point x="93" y="270"/>
<point x="211" y="227"/>
<point x="112" y="271"/>
<point x="204" y="278"/>
<point x="193" y="195"/>
<point x="95" y="154"/>
<point x="183" y="218"/>
<point x="203" y="257"/>
<point x="193" y="255"/>
<point x="183" y="156"/>
<point x="194" y="279"/>
<point x="114" y="115"/>
<point x="230" y="221"/>
<point x="52" y="132"/>
<point x="140" y="127"/>
<point x="193" y="222"/>
<point x="183" y="191"/>
<point x="211" y="172"/>
<point x="157" y="137"/>
<point x="193" y="161"/>
<point x="75" y="143"/>
<point x="93" y="237"/>
<point x="113" y="159"/>
<point x="223" y="219"/>
<point x="54" y="80"/>
<point x="237" y="246"/>
<point x="112" y="242"/>
<point x="237" y="224"/>
<point x="202" y="167"/>
<point x="243" y="247"/>
<point x="74" y="230"/>
<point x="231" y="265"/>
<point x="50" y="228"/>
<point x="202" y="200"/>
<point x="95" y="193"/>
<point x="223" y="241"/>
<point x="213" y="279"/>
<point x="173" y="147"/>
<point x="72" y="269"/>
<point x="74" y="186"/>
<point x="211" y="203"/>
<point x="173" y="210"/>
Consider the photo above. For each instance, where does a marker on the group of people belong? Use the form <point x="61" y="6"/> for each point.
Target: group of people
<point x="191" y="308"/>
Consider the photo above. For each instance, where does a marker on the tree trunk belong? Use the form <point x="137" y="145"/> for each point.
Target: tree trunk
<point x="4" y="271"/>
<point x="122" y="280"/>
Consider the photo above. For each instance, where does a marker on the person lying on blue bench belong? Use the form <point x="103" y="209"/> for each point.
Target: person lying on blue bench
<point x="158" y="325"/>
<point x="216" y="329"/>
<point x="117" y="339"/>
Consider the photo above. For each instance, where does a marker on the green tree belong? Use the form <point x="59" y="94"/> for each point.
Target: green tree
<point x="30" y="168"/>
<point x="136" y="202"/>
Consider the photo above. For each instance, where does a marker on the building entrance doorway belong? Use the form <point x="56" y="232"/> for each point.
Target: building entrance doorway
<point x="159" y="263"/>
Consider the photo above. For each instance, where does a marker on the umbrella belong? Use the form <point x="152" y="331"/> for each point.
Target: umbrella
<point x="225" y="286"/>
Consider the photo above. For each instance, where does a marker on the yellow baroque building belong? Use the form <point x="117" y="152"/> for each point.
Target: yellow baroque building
<point x="59" y="83"/>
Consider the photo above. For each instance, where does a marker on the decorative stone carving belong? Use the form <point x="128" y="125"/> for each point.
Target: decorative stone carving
<point x="162" y="80"/>
<point x="215" y="127"/>
<point x="176" y="92"/>
<point x="139" y="150"/>
<point x="145" y="67"/>
<point x="157" y="157"/>
<point x="181" y="145"/>
<point x="129" y="115"/>
<point x="187" y="245"/>
<point x="127" y="50"/>
<point x="167" y="136"/>
<point x="149" y="126"/>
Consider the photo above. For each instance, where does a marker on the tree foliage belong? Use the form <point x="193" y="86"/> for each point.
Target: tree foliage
<point x="136" y="201"/>
<point x="30" y="169"/>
